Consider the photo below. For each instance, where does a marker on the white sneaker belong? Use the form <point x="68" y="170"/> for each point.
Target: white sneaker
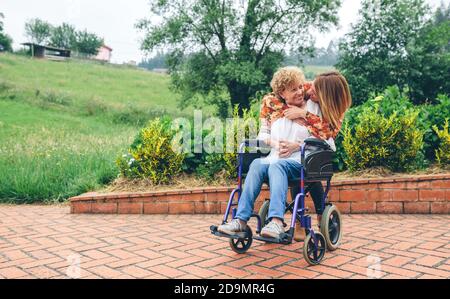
<point x="272" y="230"/>
<point x="232" y="228"/>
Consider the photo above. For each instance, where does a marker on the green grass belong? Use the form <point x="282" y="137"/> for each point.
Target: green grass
<point x="63" y="124"/>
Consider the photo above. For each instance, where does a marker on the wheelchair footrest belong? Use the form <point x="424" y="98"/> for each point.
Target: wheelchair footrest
<point x="215" y="232"/>
<point x="283" y="239"/>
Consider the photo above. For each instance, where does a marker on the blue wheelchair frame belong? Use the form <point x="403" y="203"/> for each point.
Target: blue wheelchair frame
<point x="299" y="202"/>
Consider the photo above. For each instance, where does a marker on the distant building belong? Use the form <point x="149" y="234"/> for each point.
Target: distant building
<point x="160" y="71"/>
<point x="104" y="53"/>
<point x="48" y="52"/>
<point x="131" y="63"/>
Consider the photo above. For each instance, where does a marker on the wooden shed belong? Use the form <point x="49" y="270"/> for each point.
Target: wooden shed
<point x="48" y="52"/>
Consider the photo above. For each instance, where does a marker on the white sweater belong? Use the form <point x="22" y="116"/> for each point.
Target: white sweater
<point x="285" y="129"/>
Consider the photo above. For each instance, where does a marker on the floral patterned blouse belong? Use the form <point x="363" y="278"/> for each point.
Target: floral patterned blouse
<point x="272" y="108"/>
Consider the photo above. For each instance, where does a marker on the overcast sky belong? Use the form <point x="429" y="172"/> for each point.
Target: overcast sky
<point x="114" y="20"/>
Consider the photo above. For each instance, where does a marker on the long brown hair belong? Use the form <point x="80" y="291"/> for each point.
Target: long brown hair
<point x="334" y="96"/>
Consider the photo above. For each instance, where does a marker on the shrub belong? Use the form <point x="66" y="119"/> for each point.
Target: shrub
<point x="392" y="100"/>
<point x="443" y="151"/>
<point x="434" y="115"/>
<point x="394" y="141"/>
<point x="226" y="162"/>
<point x="151" y="155"/>
<point x="212" y="166"/>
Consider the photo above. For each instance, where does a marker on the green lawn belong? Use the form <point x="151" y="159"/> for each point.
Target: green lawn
<point x="63" y="124"/>
<point x="82" y="83"/>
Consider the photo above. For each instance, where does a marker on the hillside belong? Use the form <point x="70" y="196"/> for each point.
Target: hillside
<point x="82" y="82"/>
<point x="63" y="124"/>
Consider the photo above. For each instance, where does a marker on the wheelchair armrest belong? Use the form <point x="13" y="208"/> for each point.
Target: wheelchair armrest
<point x="317" y="142"/>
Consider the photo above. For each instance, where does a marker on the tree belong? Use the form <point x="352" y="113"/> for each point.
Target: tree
<point x="1" y="21"/>
<point x="374" y="54"/>
<point x="64" y="36"/>
<point x="429" y="61"/>
<point x="156" y="62"/>
<point x="88" y="43"/>
<point x="228" y="50"/>
<point x="442" y="14"/>
<point x="5" y="40"/>
<point x="38" y="31"/>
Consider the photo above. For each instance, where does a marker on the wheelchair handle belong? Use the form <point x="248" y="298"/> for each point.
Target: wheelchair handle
<point x="317" y="142"/>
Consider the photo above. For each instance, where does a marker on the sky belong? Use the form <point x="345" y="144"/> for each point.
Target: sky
<point x="114" y="20"/>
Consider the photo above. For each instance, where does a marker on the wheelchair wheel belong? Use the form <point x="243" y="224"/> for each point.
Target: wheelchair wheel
<point x="313" y="255"/>
<point x="264" y="213"/>
<point x="241" y="245"/>
<point x="331" y="227"/>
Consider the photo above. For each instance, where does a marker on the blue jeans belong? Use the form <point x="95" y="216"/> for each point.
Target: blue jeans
<point x="278" y="174"/>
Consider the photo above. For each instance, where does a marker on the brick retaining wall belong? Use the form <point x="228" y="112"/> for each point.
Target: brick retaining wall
<point x="428" y="194"/>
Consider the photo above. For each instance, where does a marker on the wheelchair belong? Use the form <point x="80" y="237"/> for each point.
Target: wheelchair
<point x="316" y="167"/>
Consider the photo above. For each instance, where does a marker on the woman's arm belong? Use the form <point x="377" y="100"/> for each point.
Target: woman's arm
<point x="317" y="126"/>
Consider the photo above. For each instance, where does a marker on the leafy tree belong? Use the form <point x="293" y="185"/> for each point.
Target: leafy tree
<point x="318" y="56"/>
<point x="226" y="51"/>
<point x="38" y="31"/>
<point x="88" y="43"/>
<point x="64" y="36"/>
<point x="442" y="14"/>
<point x="374" y="54"/>
<point x="5" y="40"/>
<point x="429" y="62"/>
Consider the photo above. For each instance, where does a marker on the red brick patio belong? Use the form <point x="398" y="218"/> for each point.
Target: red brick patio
<point x="44" y="242"/>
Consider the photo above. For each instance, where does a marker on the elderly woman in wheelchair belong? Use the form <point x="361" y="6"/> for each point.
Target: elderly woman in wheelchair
<point x="287" y="155"/>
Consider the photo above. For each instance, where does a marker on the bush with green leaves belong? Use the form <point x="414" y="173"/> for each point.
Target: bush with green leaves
<point x="393" y="141"/>
<point x="151" y="155"/>
<point x="434" y="115"/>
<point x="227" y="162"/>
<point x="391" y="100"/>
<point x="443" y="151"/>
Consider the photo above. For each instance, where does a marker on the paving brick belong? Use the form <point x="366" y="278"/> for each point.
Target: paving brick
<point x="429" y="261"/>
<point x="298" y="272"/>
<point x="397" y="261"/>
<point x="12" y="272"/>
<point x="37" y="241"/>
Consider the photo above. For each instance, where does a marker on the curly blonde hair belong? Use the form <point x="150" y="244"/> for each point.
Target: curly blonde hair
<point x="286" y="77"/>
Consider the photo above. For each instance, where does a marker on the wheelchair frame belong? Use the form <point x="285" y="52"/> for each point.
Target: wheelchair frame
<point x="298" y="203"/>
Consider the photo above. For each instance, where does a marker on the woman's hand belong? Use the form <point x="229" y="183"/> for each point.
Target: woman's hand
<point x="294" y="112"/>
<point x="287" y="148"/>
